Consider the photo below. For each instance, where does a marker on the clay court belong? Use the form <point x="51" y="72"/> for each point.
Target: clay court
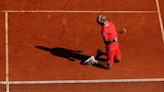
<point x="47" y="41"/>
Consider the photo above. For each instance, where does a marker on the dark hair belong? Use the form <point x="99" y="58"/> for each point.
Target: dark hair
<point x="101" y="19"/>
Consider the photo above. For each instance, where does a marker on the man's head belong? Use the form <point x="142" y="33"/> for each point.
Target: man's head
<point x="102" y="20"/>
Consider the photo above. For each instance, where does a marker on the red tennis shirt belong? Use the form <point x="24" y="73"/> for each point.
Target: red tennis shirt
<point x="109" y="32"/>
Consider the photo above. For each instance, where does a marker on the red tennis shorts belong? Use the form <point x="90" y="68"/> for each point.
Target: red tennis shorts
<point x="113" y="52"/>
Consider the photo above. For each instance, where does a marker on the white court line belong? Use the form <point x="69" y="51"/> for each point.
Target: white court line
<point x="87" y="81"/>
<point x="6" y="50"/>
<point x="160" y="19"/>
<point x="75" y="11"/>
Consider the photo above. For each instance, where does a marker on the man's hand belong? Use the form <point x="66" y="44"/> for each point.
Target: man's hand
<point x="111" y="41"/>
<point x="123" y="31"/>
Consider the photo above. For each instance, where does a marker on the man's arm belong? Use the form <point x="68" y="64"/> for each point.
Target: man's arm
<point x="105" y="36"/>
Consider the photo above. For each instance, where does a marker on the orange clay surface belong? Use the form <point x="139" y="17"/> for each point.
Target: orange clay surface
<point x="50" y="46"/>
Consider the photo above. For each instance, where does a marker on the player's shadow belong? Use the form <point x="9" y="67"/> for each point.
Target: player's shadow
<point x="71" y="55"/>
